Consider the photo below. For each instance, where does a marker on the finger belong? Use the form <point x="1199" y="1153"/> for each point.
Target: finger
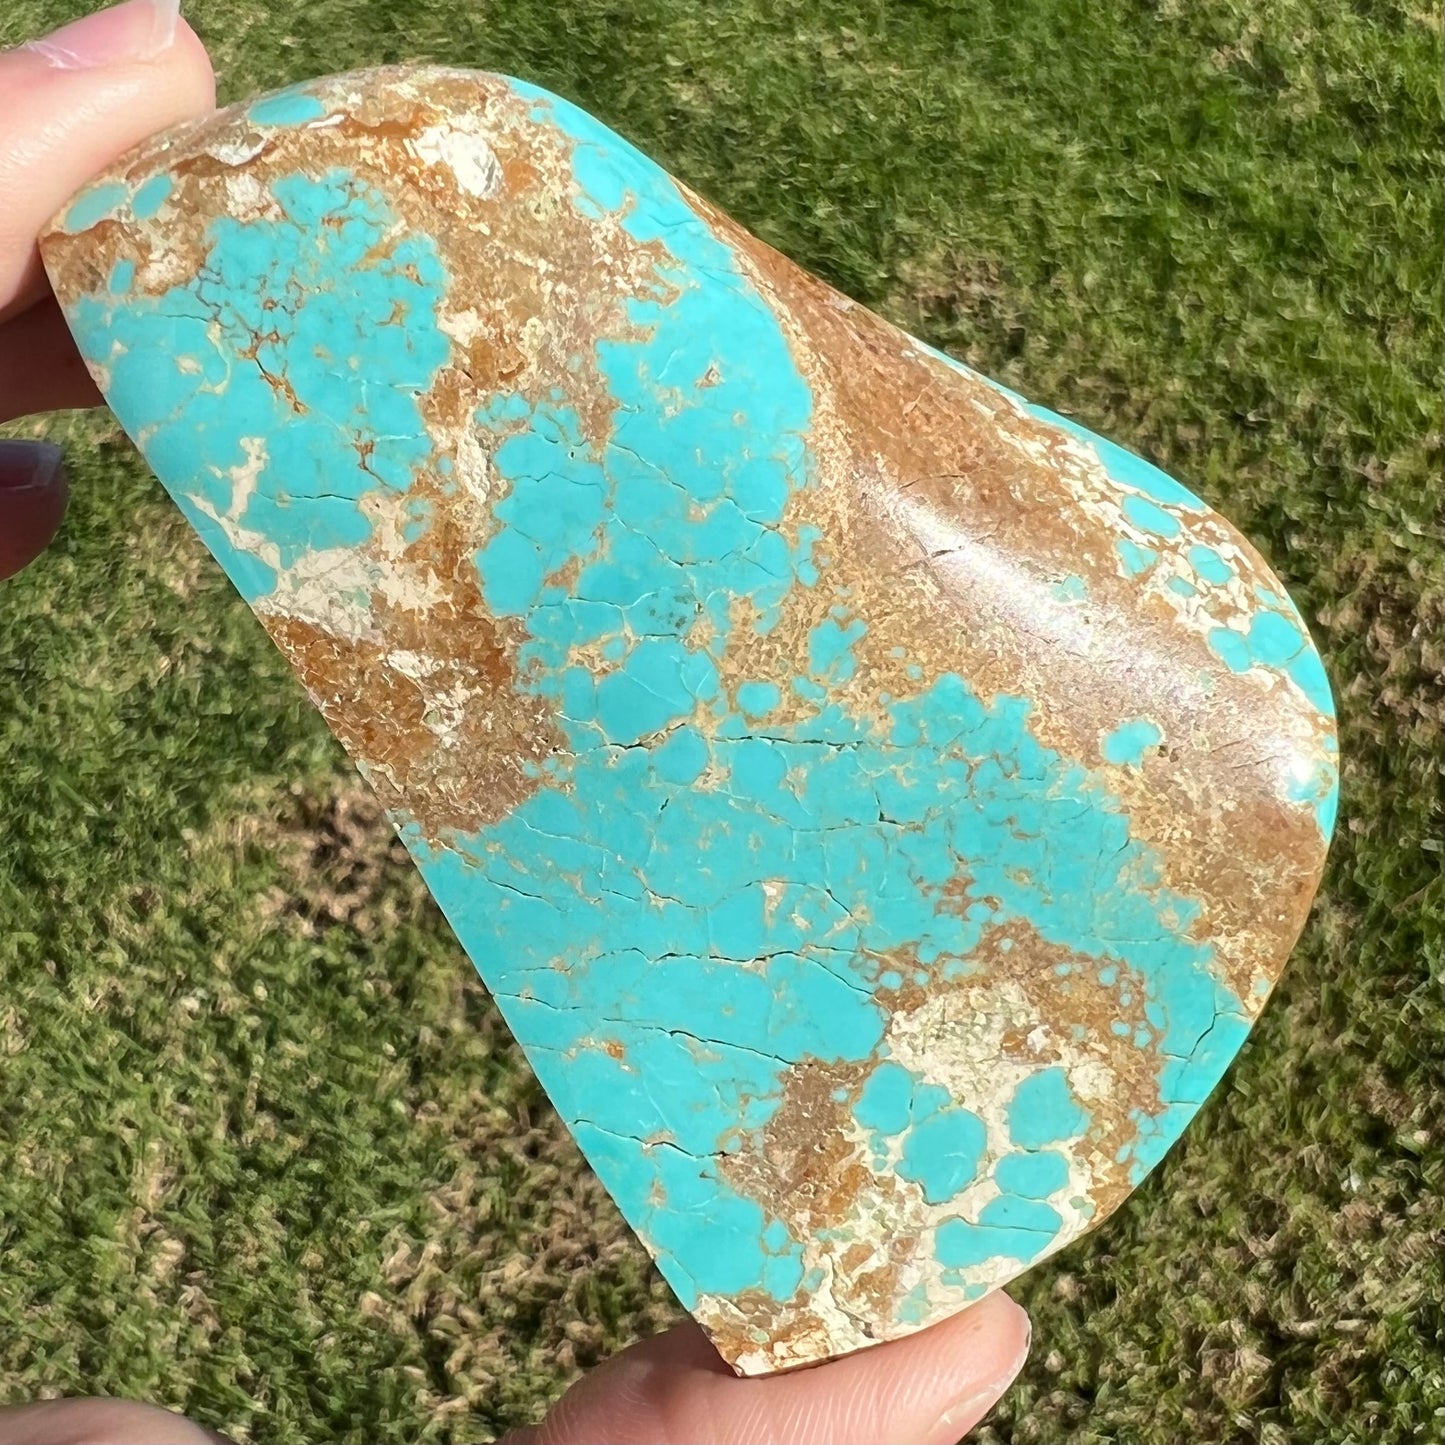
<point x="99" y="1422"/>
<point x="40" y="369"/>
<point x="32" y="502"/>
<point x="928" y="1389"/>
<point x="73" y="102"/>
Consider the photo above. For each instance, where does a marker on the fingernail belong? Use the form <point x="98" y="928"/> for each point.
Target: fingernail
<point x="964" y="1413"/>
<point x="137" y="30"/>
<point x="29" y="466"/>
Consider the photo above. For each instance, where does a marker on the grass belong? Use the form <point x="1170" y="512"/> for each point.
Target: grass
<point x="266" y="1152"/>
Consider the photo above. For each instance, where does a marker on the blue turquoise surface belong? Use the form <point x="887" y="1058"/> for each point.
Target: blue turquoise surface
<point x="709" y="890"/>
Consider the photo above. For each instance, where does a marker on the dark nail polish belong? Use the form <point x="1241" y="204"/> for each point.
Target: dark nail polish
<point x="29" y="466"/>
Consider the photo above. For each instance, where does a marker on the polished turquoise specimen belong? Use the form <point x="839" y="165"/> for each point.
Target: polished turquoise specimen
<point x="723" y="883"/>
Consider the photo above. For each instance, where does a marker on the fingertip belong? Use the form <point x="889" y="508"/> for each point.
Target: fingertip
<point x="997" y="1317"/>
<point x="194" y="68"/>
<point x="980" y="1353"/>
<point x="33" y="494"/>
<point x="928" y="1388"/>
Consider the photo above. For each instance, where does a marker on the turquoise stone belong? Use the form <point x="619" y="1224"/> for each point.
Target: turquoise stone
<point x="879" y="806"/>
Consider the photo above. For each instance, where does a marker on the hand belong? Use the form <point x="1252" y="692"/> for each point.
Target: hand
<point x="73" y="102"/>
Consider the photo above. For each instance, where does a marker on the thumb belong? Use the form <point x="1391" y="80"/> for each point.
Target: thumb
<point x="928" y="1389"/>
<point x="73" y="102"/>
<point x="69" y="104"/>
